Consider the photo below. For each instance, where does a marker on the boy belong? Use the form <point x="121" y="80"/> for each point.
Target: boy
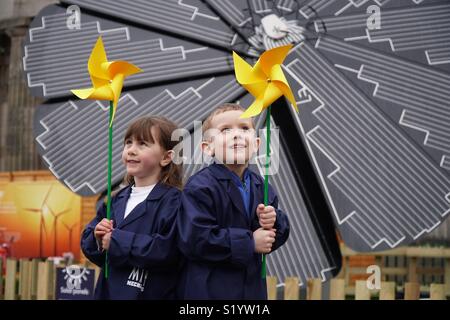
<point x="224" y="226"/>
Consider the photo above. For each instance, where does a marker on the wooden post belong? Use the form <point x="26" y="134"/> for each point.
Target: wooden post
<point x="52" y="282"/>
<point x="337" y="289"/>
<point x="412" y="291"/>
<point x="346" y="266"/>
<point x="34" y="278"/>
<point x="447" y="276"/>
<point x="314" y="289"/>
<point x="271" y="288"/>
<point x="379" y="263"/>
<point x="19" y="283"/>
<point x="25" y="279"/>
<point x="291" y="289"/>
<point x="45" y="282"/>
<point x="437" y="292"/>
<point x="10" y="281"/>
<point x="387" y="291"/>
<point x="361" y="290"/>
<point x="412" y="270"/>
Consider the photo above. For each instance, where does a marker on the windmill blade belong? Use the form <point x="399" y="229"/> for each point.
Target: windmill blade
<point x="56" y="57"/>
<point x="383" y="189"/>
<point x="417" y="32"/>
<point x="188" y="19"/>
<point x="414" y="96"/>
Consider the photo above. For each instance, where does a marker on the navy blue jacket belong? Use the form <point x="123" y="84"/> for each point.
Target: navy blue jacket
<point x="216" y="237"/>
<point x="143" y="255"/>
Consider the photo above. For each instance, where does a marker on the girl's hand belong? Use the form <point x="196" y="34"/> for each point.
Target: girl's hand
<point x="102" y="228"/>
<point x="106" y="240"/>
<point x="267" y="216"/>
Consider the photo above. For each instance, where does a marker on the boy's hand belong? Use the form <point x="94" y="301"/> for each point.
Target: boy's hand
<point x="266" y="215"/>
<point x="102" y="228"/>
<point x="264" y="240"/>
<point x="106" y="240"/>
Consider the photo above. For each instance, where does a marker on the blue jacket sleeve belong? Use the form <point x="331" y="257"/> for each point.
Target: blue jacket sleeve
<point x="89" y="244"/>
<point x="200" y="236"/>
<point x="148" y="250"/>
<point x="281" y="222"/>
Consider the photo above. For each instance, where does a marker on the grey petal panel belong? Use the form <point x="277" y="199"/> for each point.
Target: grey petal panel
<point x="72" y="136"/>
<point x="55" y="57"/>
<point x="304" y="254"/>
<point x="312" y="9"/>
<point x="187" y="18"/>
<point x="412" y="95"/>
<point x="382" y="188"/>
<point x="318" y="9"/>
<point x="419" y="32"/>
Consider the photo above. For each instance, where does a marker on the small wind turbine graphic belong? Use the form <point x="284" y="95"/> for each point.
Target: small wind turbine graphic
<point x="42" y="211"/>
<point x="70" y="231"/>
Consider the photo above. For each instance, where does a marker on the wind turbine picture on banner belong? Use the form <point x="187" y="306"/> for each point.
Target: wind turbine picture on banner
<point x="266" y="82"/>
<point x="42" y="211"/>
<point x="70" y="229"/>
<point x="56" y="216"/>
<point x="107" y="79"/>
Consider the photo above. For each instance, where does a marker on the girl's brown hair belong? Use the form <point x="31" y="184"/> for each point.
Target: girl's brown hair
<point x="141" y="130"/>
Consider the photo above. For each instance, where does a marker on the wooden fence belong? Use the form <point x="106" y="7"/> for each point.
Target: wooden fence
<point x="34" y="279"/>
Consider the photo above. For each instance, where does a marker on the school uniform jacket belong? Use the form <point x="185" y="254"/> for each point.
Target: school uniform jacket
<point x="216" y="237"/>
<point x="143" y="258"/>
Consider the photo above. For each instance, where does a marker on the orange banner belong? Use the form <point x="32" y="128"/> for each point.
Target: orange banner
<point x="39" y="219"/>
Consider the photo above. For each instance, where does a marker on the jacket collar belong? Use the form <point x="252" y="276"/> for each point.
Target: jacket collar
<point x="120" y="204"/>
<point x="223" y="173"/>
<point x="156" y="193"/>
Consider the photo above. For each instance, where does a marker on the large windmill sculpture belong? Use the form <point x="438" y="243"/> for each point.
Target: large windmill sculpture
<point x="368" y="154"/>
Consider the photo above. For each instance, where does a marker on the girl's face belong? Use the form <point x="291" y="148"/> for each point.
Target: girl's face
<point x="143" y="159"/>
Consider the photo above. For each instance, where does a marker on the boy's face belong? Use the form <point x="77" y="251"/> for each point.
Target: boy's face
<point x="231" y="140"/>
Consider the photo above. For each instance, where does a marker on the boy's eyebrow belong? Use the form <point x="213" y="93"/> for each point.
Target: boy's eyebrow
<point x="223" y="125"/>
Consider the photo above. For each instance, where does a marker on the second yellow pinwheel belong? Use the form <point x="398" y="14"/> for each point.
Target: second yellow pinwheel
<point x="265" y="81"/>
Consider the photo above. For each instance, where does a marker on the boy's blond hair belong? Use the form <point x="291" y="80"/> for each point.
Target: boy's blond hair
<point x="221" y="109"/>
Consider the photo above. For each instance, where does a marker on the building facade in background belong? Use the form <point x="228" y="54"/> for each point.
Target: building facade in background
<point x="17" y="146"/>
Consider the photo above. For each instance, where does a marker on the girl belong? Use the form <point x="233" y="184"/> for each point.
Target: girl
<point x="140" y="238"/>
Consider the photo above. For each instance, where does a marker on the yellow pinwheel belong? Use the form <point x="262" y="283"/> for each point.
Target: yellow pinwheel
<point x="265" y="81"/>
<point x="107" y="77"/>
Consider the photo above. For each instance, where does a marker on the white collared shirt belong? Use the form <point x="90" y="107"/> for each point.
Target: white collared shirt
<point x="137" y="195"/>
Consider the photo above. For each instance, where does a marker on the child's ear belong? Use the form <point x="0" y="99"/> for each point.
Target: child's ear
<point x="206" y="148"/>
<point x="167" y="158"/>
<point x="257" y="143"/>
